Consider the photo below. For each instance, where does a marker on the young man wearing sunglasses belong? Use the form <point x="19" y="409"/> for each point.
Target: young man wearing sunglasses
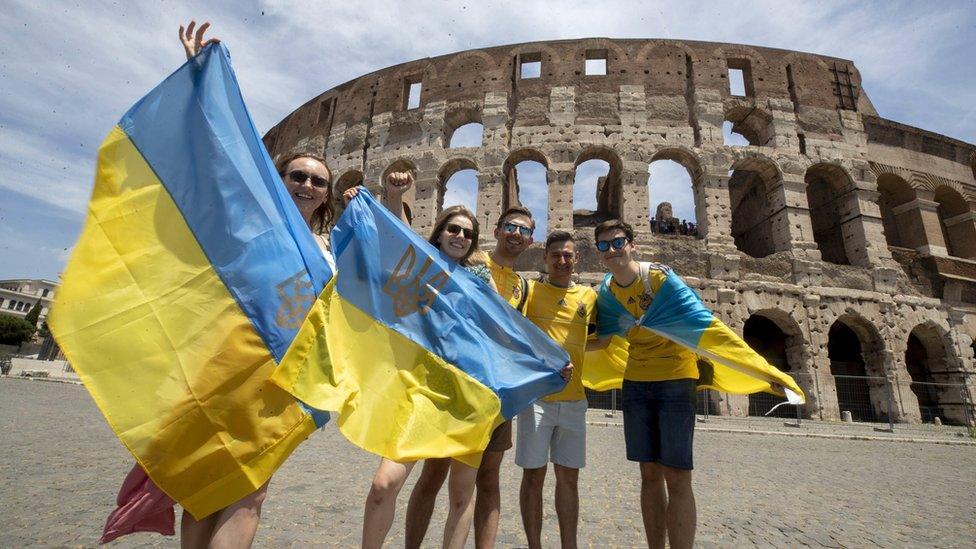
<point x="658" y="396"/>
<point x="554" y="428"/>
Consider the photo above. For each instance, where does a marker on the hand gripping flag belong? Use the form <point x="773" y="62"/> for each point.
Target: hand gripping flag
<point x="677" y="313"/>
<point x="190" y="279"/>
<point x="419" y="358"/>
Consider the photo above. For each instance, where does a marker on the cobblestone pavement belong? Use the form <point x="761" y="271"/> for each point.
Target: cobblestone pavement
<point x="60" y="467"/>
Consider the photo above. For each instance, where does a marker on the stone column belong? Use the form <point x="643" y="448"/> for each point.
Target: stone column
<point x="423" y="203"/>
<point x="491" y="185"/>
<point x="560" y="180"/>
<point x="715" y="224"/>
<point x="634" y="209"/>
<point x="905" y="402"/>
<point x="861" y="226"/>
<point x="792" y="227"/>
<point x="800" y="359"/>
<point x="918" y="223"/>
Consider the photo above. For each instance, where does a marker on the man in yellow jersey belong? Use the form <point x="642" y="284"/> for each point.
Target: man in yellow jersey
<point x="513" y="235"/>
<point x="658" y="396"/>
<point x="554" y="428"/>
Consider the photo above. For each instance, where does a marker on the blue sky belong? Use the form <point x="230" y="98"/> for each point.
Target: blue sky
<point x="69" y="70"/>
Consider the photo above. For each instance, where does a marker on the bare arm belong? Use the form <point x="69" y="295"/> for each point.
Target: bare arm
<point x="394" y="185"/>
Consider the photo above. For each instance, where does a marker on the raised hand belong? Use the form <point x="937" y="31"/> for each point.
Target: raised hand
<point x="193" y="42"/>
<point x="397" y="183"/>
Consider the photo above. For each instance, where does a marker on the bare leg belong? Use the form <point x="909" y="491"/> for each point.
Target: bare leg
<point x="195" y="534"/>
<point x="567" y="504"/>
<point x="654" y="504"/>
<point x="682" y="513"/>
<point x="381" y="501"/>
<point x="237" y="524"/>
<point x="461" y="499"/>
<point x="530" y="500"/>
<point x="422" y="500"/>
<point x="488" y="502"/>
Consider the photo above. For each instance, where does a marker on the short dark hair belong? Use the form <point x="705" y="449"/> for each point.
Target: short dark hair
<point x="514" y="210"/>
<point x="555" y="237"/>
<point x="613" y="224"/>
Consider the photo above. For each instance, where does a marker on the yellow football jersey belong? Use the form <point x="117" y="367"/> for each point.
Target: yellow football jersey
<point x="564" y="314"/>
<point x="652" y="357"/>
<point x="509" y="282"/>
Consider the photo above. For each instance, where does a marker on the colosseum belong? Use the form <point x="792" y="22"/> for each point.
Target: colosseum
<point x="842" y="245"/>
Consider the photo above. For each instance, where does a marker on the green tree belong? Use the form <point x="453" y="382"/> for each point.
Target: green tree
<point x="14" y="331"/>
<point x="34" y="314"/>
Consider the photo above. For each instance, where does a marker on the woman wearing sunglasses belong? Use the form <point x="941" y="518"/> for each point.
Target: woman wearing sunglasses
<point x="455" y="234"/>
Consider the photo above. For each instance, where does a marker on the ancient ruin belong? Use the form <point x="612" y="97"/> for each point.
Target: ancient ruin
<point x="838" y="242"/>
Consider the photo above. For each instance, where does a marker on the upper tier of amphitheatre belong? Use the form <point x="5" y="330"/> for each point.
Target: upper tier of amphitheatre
<point x="837" y="241"/>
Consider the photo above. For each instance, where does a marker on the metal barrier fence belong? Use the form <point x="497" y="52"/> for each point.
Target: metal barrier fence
<point x="869" y="404"/>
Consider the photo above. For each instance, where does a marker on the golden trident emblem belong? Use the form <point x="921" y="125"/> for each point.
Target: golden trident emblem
<point x="296" y="297"/>
<point x="411" y="293"/>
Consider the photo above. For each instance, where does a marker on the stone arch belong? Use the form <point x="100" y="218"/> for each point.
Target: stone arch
<point x="511" y="190"/>
<point x="448" y="170"/>
<point x="856" y="353"/>
<point x="956" y="222"/>
<point x="751" y="122"/>
<point x="688" y="160"/>
<point x="459" y="116"/>
<point x="483" y="62"/>
<point x="893" y="192"/>
<point x="751" y="180"/>
<point x="937" y="389"/>
<point x="830" y="189"/>
<point x="777" y="337"/>
<point x="609" y="188"/>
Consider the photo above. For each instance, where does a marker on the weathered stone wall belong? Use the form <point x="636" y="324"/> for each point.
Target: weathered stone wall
<point x="831" y="213"/>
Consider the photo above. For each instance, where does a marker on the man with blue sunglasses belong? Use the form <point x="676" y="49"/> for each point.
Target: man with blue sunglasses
<point x="658" y="396"/>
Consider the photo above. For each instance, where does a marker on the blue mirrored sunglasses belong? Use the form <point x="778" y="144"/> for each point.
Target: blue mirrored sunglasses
<point x="615" y="243"/>
<point x="510" y="228"/>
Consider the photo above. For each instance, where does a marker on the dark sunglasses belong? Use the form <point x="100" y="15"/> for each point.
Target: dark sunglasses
<point x="451" y="228"/>
<point x="510" y="228"/>
<point x="298" y="176"/>
<point x="615" y="243"/>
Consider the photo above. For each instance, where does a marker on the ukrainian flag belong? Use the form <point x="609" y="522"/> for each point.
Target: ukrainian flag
<point x="419" y="358"/>
<point x="191" y="277"/>
<point x="678" y="314"/>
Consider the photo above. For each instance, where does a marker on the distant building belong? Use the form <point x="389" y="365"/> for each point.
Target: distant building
<point x="18" y="296"/>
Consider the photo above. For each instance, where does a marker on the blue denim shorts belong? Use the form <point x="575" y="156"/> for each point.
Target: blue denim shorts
<point x="659" y="421"/>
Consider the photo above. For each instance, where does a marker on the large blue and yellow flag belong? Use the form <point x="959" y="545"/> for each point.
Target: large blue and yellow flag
<point x="190" y="279"/>
<point x="677" y="313"/>
<point x="420" y="359"/>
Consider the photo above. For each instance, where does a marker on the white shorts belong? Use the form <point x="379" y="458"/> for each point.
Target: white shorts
<point x="552" y="431"/>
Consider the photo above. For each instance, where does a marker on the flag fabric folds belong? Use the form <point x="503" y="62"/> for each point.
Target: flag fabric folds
<point x="189" y="281"/>
<point x="678" y="314"/>
<point x="419" y="358"/>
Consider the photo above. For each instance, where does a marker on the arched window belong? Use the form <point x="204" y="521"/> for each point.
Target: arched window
<point x="956" y="221"/>
<point x="828" y="190"/>
<point x="597" y="190"/>
<point x="859" y="382"/>
<point x="526" y="183"/>
<point x="746" y="125"/>
<point x="893" y="192"/>
<point x="750" y="182"/>
<point x="458" y="184"/>
<point x="673" y="209"/>
<point x="468" y="135"/>
<point x="766" y="338"/>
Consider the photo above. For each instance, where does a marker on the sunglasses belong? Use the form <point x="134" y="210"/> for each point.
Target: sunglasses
<point x="510" y="228"/>
<point x="453" y="229"/>
<point x="615" y="243"/>
<point x="298" y="176"/>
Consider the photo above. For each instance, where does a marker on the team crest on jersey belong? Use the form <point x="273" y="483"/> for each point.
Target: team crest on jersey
<point x="581" y="311"/>
<point x="516" y="291"/>
<point x="645" y="300"/>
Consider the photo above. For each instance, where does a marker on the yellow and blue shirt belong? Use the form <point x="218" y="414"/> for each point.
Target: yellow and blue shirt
<point x="510" y="284"/>
<point x="652" y="357"/>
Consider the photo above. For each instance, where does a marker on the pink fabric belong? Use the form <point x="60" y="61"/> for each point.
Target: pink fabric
<point x="142" y="507"/>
